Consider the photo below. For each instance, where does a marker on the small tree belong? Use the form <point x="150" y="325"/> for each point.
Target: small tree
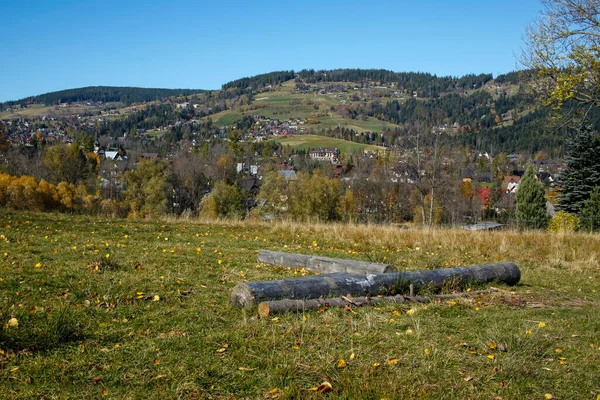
<point x="590" y="215"/>
<point x="563" y="222"/>
<point x="531" y="202"/>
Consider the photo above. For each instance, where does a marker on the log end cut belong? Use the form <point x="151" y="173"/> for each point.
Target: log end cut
<point x="241" y="296"/>
<point x="263" y="309"/>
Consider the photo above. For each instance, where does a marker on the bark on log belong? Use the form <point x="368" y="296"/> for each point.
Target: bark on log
<point x="267" y="308"/>
<point x="323" y="264"/>
<point x="339" y="284"/>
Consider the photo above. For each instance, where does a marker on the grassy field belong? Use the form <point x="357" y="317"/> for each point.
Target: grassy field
<point x="310" y="141"/>
<point x="103" y="308"/>
<point x="40" y="110"/>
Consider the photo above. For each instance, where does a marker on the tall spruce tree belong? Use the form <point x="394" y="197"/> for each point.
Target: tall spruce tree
<point x="582" y="159"/>
<point x="531" y="202"/>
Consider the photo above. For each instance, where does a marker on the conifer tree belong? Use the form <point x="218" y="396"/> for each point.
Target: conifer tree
<point x="531" y="202"/>
<point x="590" y="214"/>
<point x="582" y="159"/>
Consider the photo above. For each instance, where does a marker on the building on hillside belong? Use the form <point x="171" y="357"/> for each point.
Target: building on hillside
<point x="325" y="154"/>
<point x="511" y="183"/>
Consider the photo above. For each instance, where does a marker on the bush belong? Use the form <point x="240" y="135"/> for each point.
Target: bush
<point x="563" y="222"/>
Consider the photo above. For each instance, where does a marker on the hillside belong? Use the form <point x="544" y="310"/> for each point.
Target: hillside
<point x="123" y="308"/>
<point x="374" y="107"/>
<point x="104" y="94"/>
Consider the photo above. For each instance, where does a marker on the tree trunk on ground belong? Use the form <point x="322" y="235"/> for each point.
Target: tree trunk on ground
<point x="322" y="264"/>
<point x="340" y="284"/>
<point x="267" y="308"/>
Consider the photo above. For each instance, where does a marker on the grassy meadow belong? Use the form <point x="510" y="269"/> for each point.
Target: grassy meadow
<point x="311" y="141"/>
<point x="112" y="308"/>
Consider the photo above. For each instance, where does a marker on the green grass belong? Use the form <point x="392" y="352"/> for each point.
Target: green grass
<point x="310" y="141"/>
<point x="152" y="320"/>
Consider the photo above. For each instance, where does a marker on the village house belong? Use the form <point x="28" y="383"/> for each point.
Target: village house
<point x="325" y="154"/>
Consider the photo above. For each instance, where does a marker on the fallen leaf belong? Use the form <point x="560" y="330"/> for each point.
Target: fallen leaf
<point x="341" y="363"/>
<point x="492" y="345"/>
<point x="392" y="361"/>
<point x="348" y="308"/>
<point x="548" y="396"/>
<point x="491" y="356"/>
<point x="468" y="379"/>
<point x="352" y="356"/>
<point x="13" y="322"/>
<point x="324" y="387"/>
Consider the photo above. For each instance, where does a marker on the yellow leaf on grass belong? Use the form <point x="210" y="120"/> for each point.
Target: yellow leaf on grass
<point x="558" y="350"/>
<point x="392" y="361"/>
<point x="542" y="325"/>
<point x="13" y="322"/>
<point x="491" y="357"/>
<point x="396" y="313"/>
<point x="38" y="265"/>
<point x="376" y="364"/>
<point x="352" y="356"/>
<point x="341" y="363"/>
<point x="411" y="311"/>
<point x="222" y="349"/>
<point x="324" y="387"/>
<point x="548" y="396"/>
<point x="492" y="345"/>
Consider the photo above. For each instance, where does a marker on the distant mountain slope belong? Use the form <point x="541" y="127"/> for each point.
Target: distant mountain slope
<point x="107" y="94"/>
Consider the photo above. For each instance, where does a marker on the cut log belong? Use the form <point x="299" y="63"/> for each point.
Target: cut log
<point x="267" y="308"/>
<point x="322" y="264"/>
<point x="339" y="284"/>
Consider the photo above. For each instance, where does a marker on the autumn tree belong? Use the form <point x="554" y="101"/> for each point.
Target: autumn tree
<point x="66" y="163"/>
<point x="224" y="201"/>
<point x="563" y="44"/>
<point x="145" y="188"/>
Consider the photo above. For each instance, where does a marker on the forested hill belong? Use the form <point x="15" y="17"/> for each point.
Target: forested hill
<point x="106" y="94"/>
<point x="425" y="84"/>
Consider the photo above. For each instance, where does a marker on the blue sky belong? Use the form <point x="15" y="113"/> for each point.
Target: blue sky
<point x="61" y="44"/>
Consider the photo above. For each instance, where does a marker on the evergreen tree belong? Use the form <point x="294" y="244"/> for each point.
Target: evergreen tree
<point x="590" y="214"/>
<point x="582" y="159"/>
<point x="531" y="203"/>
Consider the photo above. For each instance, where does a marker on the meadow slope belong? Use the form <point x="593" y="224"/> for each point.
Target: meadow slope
<point x="93" y="308"/>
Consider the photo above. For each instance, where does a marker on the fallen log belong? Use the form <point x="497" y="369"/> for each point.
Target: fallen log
<point x="322" y="264"/>
<point x="339" y="284"/>
<point x="267" y="308"/>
